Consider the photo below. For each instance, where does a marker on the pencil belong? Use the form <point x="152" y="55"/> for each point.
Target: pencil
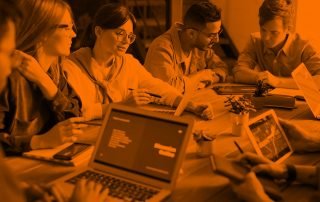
<point x="238" y="146"/>
<point x="152" y="94"/>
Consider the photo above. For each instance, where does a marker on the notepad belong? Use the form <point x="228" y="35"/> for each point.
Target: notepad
<point x="47" y="155"/>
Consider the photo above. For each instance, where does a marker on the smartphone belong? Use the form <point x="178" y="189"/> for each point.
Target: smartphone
<point x="71" y="151"/>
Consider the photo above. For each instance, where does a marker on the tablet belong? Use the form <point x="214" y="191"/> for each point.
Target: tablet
<point x="268" y="138"/>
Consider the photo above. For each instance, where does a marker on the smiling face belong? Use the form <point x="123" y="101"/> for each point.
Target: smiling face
<point x="58" y="43"/>
<point x="7" y="46"/>
<point x="273" y="32"/>
<point x="208" y="36"/>
<point x="115" y="41"/>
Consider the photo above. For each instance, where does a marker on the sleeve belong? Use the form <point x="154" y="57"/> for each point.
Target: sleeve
<point x="311" y="58"/>
<point x="66" y="103"/>
<point x="247" y="58"/>
<point x="160" y="63"/>
<point x="12" y="144"/>
<point x="217" y="65"/>
<point x="168" y="93"/>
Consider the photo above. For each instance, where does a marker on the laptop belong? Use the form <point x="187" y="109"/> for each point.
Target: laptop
<point x="309" y="88"/>
<point x="190" y="89"/>
<point x="138" y="154"/>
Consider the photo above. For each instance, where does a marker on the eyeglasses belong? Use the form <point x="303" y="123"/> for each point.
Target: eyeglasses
<point x="123" y="35"/>
<point x="66" y="27"/>
<point x="211" y="36"/>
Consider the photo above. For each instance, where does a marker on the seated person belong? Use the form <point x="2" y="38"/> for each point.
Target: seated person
<point x="251" y="189"/>
<point x="185" y="50"/>
<point x="102" y="72"/>
<point x="11" y="190"/>
<point x="37" y="96"/>
<point x="274" y="52"/>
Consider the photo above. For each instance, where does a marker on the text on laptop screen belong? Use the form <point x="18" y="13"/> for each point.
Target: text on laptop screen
<point x="144" y="145"/>
<point x="269" y="138"/>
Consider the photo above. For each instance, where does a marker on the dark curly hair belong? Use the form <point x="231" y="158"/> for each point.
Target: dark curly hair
<point x="201" y="13"/>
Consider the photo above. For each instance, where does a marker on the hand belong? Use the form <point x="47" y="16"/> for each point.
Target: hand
<point x="139" y="97"/>
<point x="41" y="192"/>
<point x="265" y="166"/>
<point x="29" y="67"/>
<point x="268" y="78"/>
<point x="250" y="189"/>
<point x="62" y="132"/>
<point x="203" y="110"/>
<point x="87" y="191"/>
<point x="205" y="76"/>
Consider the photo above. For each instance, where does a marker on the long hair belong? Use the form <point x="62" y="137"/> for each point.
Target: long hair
<point x="271" y="9"/>
<point x="41" y="16"/>
<point x="109" y="16"/>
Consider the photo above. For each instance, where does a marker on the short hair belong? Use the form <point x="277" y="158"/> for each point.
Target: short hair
<point x="271" y="9"/>
<point x="109" y="16"/>
<point x="42" y="17"/>
<point x="8" y="11"/>
<point x="201" y="13"/>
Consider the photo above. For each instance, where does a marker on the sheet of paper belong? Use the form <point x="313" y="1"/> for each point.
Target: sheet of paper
<point x="285" y="91"/>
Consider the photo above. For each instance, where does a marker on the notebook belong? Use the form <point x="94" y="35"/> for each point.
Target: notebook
<point x="235" y="89"/>
<point x="268" y="138"/>
<point x="137" y="156"/>
<point x="47" y="155"/>
<point x="310" y="90"/>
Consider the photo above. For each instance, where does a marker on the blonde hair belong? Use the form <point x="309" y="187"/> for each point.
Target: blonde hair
<point x="40" y="19"/>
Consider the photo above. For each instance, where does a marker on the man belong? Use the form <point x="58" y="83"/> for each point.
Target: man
<point x="184" y="53"/>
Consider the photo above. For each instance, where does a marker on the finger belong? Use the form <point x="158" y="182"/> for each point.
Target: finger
<point x="262" y="168"/>
<point x="143" y="95"/>
<point x="76" y="119"/>
<point x="104" y="194"/>
<point x="90" y="185"/>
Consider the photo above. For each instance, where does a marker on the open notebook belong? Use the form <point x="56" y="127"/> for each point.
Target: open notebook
<point x="47" y="155"/>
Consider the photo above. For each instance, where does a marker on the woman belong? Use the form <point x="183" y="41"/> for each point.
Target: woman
<point x="275" y="52"/>
<point x="37" y="96"/>
<point x="102" y="72"/>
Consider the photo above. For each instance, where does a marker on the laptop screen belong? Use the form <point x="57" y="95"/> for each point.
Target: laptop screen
<point x="141" y="144"/>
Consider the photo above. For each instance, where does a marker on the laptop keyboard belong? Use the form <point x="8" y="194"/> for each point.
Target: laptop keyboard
<point x="117" y="188"/>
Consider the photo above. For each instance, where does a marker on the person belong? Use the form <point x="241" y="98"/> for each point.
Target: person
<point x="37" y="105"/>
<point x="10" y="189"/>
<point x="250" y="189"/>
<point x="273" y="53"/>
<point x="101" y="72"/>
<point x="185" y="52"/>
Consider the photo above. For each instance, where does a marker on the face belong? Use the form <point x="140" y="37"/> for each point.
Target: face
<point x="59" y="42"/>
<point x="7" y="46"/>
<point x="273" y="32"/>
<point x="208" y="36"/>
<point x="115" y="41"/>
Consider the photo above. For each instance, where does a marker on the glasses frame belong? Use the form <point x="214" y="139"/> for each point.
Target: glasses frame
<point x="211" y="36"/>
<point x="122" y="34"/>
<point x="66" y="27"/>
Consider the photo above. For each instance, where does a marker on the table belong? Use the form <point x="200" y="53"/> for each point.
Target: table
<point x="197" y="182"/>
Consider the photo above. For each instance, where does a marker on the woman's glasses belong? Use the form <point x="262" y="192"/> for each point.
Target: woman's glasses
<point x="66" y="27"/>
<point x="123" y="35"/>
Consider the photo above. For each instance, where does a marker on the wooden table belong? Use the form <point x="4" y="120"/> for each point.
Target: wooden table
<point x="197" y="182"/>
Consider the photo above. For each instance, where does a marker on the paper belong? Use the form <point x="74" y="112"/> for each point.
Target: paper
<point x="286" y="91"/>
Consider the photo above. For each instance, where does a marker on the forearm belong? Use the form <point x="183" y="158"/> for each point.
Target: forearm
<point x="247" y="76"/>
<point x="307" y="175"/>
<point x="47" y="87"/>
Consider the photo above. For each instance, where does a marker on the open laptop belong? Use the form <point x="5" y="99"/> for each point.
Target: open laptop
<point x="190" y="88"/>
<point x="306" y="84"/>
<point x="138" y="154"/>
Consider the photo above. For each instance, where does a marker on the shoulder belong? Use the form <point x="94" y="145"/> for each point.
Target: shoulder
<point x="255" y="37"/>
<point x="162" y="41"/>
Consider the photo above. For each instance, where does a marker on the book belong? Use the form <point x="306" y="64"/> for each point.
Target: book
<point x="47" y="155"/>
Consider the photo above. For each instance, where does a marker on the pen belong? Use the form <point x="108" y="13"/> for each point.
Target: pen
<point x="152" y="94"/>
<point x="238" y="146"/>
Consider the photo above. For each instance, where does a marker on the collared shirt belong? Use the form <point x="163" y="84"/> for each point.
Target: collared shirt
<point x="295" y="51"/>
<point x="165" y="60"/>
